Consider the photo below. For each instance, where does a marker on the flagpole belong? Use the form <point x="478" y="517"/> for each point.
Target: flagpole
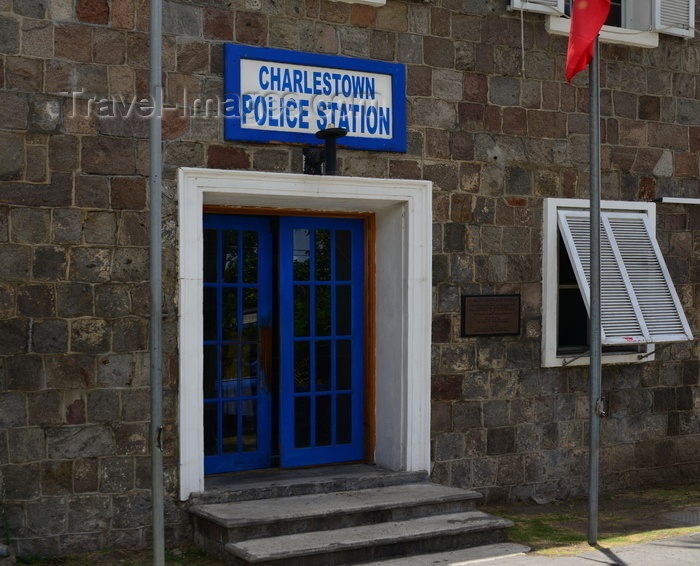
<point x="595" y="315"/>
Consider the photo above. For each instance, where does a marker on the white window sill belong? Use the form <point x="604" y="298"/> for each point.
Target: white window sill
<point x="551" y="360"/>
<point x="560" y="26"/>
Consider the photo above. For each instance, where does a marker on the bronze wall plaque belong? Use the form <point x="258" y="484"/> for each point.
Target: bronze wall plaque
<point x="487" y="315"/>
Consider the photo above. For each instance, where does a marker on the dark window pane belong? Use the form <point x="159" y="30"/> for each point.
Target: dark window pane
<point x="210" y="364"/>
<point x="323" y="421"/>
<point x="566" y="271"/>
<point x="343" y="364"/>
<point x="302" y="310"/>
<point x="229" y="314"/>
<point x="573" y="320"/>
<point x="343" y="255"/>
<point x="210" y="429"/>
<point x="302" y="422"/>
<point x="323" y="365"/>
<point x="230" y="256"/>
<point x="229" y="371"/>
<point x="323" y="310"/>
<point x="250" y="314"/>
<point x="322" y="258"/>
<point x="210" y="255"/>
<point x="343" y="309"/>
<point x="229" y="427"/>
<point x="250" y="426"/>
<point x="210" y="329"/>
<point x="250" y="257"/>
<point x="302" y="252"/>
<point x="302" y="366"/>
<point x="343" y="416"/>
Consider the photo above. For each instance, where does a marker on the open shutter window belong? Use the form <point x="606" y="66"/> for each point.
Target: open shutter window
<point x="674" y="17"/>
<point x="552" y="7"/>
<point x="638" y="301"/>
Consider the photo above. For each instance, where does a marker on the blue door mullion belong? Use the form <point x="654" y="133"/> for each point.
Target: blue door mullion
<point x="333" y="335"/>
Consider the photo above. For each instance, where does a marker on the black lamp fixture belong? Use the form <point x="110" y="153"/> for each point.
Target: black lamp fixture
<point x="322" y="161"/>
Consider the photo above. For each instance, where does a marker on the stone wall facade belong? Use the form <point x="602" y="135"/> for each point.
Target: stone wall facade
<point x="496" y="130"/>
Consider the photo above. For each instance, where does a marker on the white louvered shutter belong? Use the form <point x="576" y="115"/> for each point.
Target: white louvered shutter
<point x="553" y="7"/>
<point x="638" y="301"/>
<point x="674" y="17"/>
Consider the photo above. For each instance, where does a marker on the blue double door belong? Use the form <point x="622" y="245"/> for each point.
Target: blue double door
<point x="283" y="341"/>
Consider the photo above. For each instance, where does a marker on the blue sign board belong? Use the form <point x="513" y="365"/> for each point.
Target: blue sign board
<point x="274" y="95"/>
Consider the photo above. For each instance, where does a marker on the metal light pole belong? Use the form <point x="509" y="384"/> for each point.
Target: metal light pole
<point x="156" y="284"/>
<point x="595" y="315"/>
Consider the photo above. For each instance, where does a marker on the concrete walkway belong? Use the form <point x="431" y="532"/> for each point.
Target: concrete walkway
<point x="679" y="551"/>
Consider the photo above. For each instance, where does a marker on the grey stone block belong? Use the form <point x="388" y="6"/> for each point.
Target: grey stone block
<point x="80" y="441"/>
<point x="30" y="8"/>
<point x="116" y="475"/>
<point x="44" y="408"/>
<point x="21" y="481"/>
<point x="47" y="516"/>
<point x="9" y="35"/>
<point x="50" y="336"/>
<point x="74" y="300"/>
<point x="67" y="226"/>
<point x="115" y="370"/>
<point x="130" y="264"/>
<point x="103" y="406"/>
<point x="112" y="301"/>
<point x="72" y="371"/>
<point x="88" y="513"/>
<point x="15" y="336"/>
<point x="90" y="264"/>
<point x="49" y="263"/>
<point x="24" y="373"/>
<point x="45" y="114"/>
<point x="130" y="334"/>
<point x="91" y="336"/>
<point x="11" y="152"/>
<point x="36" y="300"/>
<point x="57" y="477"/>
<point x="132" y="510"/>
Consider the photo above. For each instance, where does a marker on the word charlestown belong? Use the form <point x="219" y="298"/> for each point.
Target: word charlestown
<point x="287" y="96"/>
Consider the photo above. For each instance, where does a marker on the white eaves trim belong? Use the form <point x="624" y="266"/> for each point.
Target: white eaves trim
<point x="638" y="301"/>
<point x="680" y="200"/>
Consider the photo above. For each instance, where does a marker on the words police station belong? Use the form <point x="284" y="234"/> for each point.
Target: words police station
<point x="295" y="97"/>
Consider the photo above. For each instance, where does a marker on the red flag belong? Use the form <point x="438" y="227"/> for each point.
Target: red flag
<point x="587" y="17"/>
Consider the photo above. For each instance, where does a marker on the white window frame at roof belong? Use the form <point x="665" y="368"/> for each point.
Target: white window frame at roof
<point x="645" y="20"/>
<point x="550" y="313"/>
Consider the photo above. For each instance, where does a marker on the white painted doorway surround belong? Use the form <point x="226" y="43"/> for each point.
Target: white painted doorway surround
<point x="403" y="255"/>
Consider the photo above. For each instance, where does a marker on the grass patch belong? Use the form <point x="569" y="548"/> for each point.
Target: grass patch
<point x="560" y="528"/>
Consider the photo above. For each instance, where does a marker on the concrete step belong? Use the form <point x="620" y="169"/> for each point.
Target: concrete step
<point x="279" y="516"/>
<point x="268" y="484"/>
<point x="364" y="543"/>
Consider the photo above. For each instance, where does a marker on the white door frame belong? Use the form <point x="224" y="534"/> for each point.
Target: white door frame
<point x="403" y="214"/>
